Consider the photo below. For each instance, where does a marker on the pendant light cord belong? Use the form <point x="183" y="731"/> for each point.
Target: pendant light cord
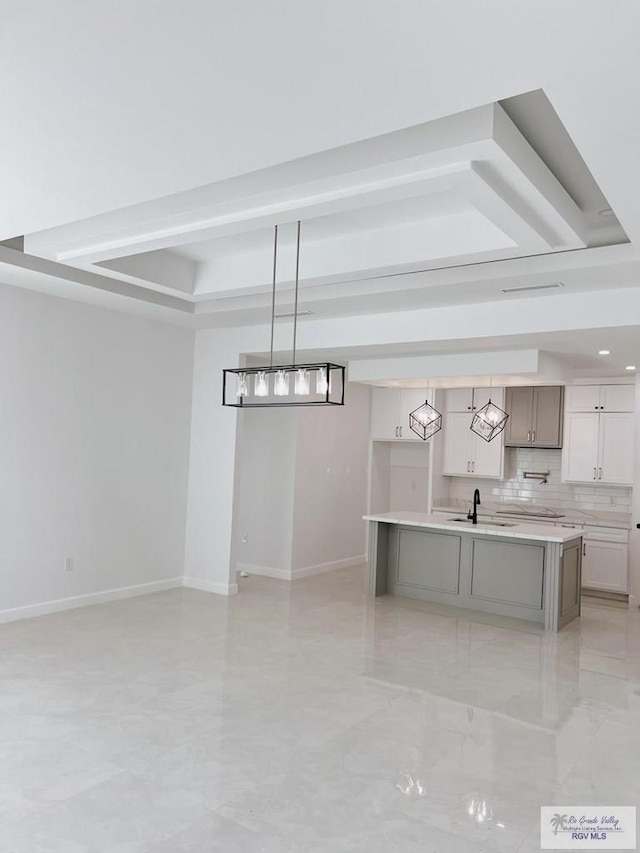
<point x="273" y="292"/>
<point x="295" y="307"/>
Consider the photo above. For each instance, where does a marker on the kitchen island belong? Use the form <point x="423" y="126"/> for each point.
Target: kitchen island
<point x="527" y="571"/>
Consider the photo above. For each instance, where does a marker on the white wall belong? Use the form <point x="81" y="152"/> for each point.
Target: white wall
<point x="409" y="477"/>
<point x="634" y="539"/>
<point x="94" y="444"/>
<point x="301" y="487"/>
<point x="212" y="497"/>
<point x="332" y="453"/>
<point x="267" y="457"/>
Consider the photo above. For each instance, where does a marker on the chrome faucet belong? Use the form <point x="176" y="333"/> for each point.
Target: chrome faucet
<point x="473" y="516"/>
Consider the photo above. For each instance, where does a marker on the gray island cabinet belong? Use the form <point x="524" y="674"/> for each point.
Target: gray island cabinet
<point x="530" y="572"/>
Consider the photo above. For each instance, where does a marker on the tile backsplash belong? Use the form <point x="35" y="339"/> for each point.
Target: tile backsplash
<point x="554" y="494"/>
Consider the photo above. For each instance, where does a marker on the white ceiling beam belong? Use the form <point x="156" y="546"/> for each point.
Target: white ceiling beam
<point x="432" y="366"/>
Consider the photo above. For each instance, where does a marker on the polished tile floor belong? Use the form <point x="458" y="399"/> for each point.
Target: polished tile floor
<point x="305" y="718"/>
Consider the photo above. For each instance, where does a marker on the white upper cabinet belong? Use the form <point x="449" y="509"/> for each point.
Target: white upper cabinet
<point x="617" y="398"/>
<point x="384" y="413"/>
<point x="390" y="410"/>
<point x="488" y="457"/>
<point x="481" y="397"/>
<point x="582" y="398"/>
<point x="458" y="448"/>
<point x="580" y="447"/>
<point x="600" y="398"/>
<point x="472" y="399"/>
<point x="467" y="454"/>
<point x="598" y="448"/>
<point x="615" y="464"/>
<point x="458" y="399"/>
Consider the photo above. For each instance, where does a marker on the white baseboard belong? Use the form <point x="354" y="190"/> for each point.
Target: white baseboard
<point x="305" y="572"/>
<point x="333" y="566"/>
<point x="60" y="604"/>
<point x="210" y="586"/>
<point x="264" y="571"/>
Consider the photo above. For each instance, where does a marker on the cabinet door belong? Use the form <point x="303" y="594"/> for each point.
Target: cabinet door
<point x="604" y="566"/>
<point x="457" y="444"/>
<point x="481" y="397"/>
<point x="459" y="399"/>
<point x="583" y="398"/>
<point x="519" y="407"/>
<point x="580" y="447"/>
<point x="384" y="413"/>
<point x="547" y="416"/>
<point x="410" y="399"/>
<point x="615" y="464"/>
<point x="487" y="457"/>
<point x="617" y="398"/>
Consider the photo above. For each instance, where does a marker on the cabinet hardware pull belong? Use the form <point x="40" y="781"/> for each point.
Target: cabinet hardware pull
<point x="529" y="435"/>
<point x="396" y="432"/>
<point x="533" y="436"/>
<point x="584" y="549"/>
<point x="400" y="432"/>
<point x="599" y="473"/>
<point x="468" y="467"/>
<point x="594" y="474"/>
<point x="473" y="467"/>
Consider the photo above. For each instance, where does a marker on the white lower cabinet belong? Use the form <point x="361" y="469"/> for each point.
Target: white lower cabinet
<point x="605" y="562"/>
<point x="468" y="455"/>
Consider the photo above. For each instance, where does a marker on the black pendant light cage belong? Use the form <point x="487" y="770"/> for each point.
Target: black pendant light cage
<point x="489" y="421"/>
<point x="317" y="384"/>
<point x="425" y="421"/>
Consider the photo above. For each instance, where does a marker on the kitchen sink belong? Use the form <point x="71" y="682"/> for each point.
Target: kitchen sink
<point x="485" y="523"/>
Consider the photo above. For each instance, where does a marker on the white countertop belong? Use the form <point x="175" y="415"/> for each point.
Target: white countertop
<point x="539" y="532"/>
<point x="568" y="515"/>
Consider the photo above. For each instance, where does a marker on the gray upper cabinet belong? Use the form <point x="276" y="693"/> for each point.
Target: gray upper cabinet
<point x="519" y="407"/>
<point x="535" y="416"/>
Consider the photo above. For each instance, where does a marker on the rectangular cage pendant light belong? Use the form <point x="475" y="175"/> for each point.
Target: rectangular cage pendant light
<point x="316" y="384"/>
<point x="284" y="385"/>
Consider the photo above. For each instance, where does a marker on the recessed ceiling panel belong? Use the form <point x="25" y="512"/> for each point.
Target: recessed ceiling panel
<point x="446" y="194"/>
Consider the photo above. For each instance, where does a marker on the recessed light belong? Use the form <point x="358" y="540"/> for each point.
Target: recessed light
<point x="532" y="287"/>
<point x="630" y="367"/>
<point x="606" y="211"/>
<point x="604" y="352"/>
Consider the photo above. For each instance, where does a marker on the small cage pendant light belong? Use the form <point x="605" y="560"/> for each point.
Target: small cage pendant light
<point x="426" y="420"/>
<point x="489" y="421"/>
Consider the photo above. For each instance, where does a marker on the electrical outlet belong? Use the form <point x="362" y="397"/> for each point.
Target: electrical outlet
<point x="245" y="539"/>
<point x="68" y="564"/>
